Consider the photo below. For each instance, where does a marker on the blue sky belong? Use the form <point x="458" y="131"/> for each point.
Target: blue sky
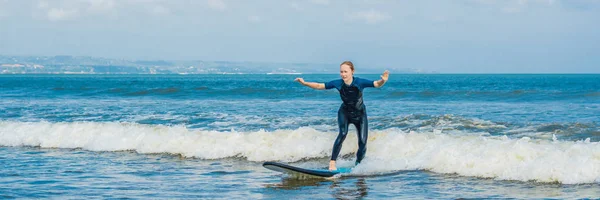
<point x="461" y="36"/>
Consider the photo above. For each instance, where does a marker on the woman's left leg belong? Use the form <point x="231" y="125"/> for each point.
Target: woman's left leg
<point x="362" y="128"/>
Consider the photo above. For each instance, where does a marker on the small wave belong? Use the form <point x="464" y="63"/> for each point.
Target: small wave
<point x="252" y="90"/>
<point x="520" y="92"/>
<point x="550" y="128"/>
<point x="499" y="157"/>
<point x="117" y="90"/>
<point x="201" y="88"/>
<point x="221" y="173"/>
<point x="158" y="91"/>
<point x="72" y="89"/>
<point x="448" y="123"/>
<point x="396" y="94"/>
<point x="593" y="94"/>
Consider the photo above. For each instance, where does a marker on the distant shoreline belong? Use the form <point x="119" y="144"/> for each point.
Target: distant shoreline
<point x="173" y="74"/>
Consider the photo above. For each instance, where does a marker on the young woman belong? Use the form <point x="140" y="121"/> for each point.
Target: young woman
<point x="352" y="110"/>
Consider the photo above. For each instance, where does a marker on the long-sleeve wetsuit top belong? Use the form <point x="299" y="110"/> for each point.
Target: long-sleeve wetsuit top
<point x="351" y="94"/>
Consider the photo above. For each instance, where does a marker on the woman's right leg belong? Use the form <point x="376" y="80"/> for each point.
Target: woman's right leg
<point x="343" y="125"/>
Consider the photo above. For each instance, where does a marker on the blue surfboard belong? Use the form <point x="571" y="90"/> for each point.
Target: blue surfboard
<point x="288" y="169"/>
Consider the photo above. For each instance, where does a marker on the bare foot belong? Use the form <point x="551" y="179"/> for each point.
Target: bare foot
<point x="332" y="165"/>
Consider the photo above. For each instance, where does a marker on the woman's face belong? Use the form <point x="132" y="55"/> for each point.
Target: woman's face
<point x="346" y="72"/>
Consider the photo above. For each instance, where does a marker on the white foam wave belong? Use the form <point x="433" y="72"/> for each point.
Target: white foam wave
<point x="283" y="145"/>
<point x="389" y="150"/>
<point x="523" y="159"/>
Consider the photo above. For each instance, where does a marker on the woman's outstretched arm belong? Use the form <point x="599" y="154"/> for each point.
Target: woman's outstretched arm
<point x="313" y="85"/>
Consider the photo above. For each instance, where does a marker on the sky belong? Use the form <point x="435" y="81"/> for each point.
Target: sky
<point x="446" y="36"/>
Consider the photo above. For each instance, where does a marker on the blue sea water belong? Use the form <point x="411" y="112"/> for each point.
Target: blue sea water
<point x="205" y="136"/>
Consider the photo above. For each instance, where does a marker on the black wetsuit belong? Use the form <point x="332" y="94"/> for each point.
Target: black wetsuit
<point x="352" y="111"/>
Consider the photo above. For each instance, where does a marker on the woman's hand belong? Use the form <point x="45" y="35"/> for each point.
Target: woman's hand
<point x="384" y="78"/>
<point x="300" y="80"/>
<point x="385" y="75"/>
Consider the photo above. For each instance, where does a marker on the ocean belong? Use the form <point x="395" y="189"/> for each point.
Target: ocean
<point x="431" y="136"/>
